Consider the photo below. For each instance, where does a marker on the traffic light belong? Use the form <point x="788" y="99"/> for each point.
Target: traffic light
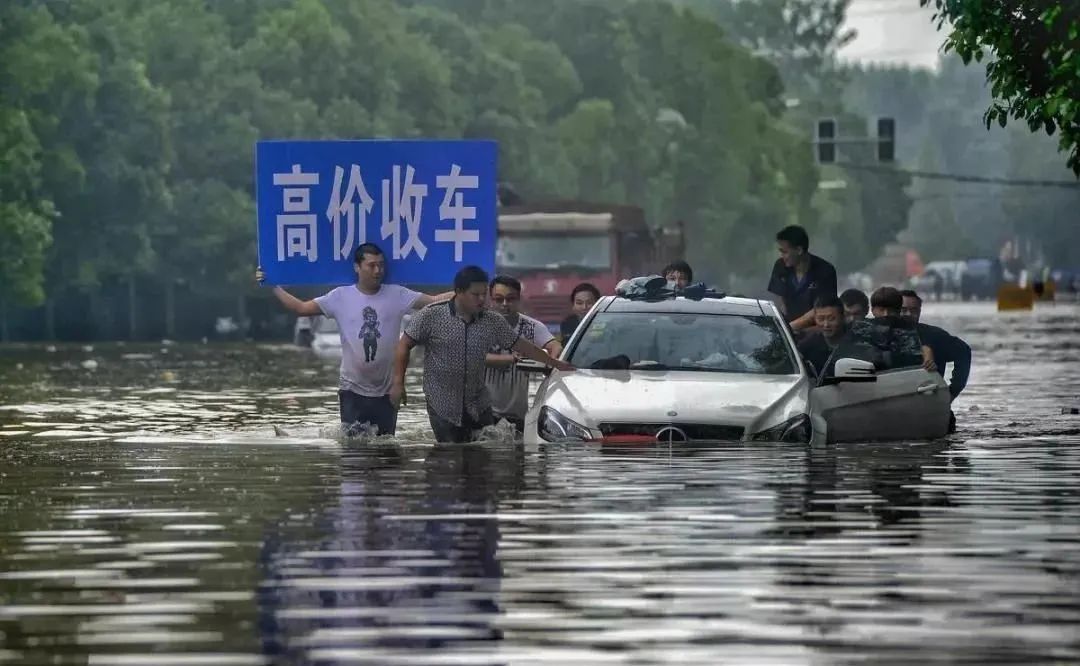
<point x="826" y="141"/>
<point x="886" y="136"/>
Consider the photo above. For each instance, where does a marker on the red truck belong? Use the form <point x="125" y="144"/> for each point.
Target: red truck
<point x="553" y="246"/>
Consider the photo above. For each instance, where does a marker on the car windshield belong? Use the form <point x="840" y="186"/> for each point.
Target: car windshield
<point x="685" y="341"/>
<point x="579" y="251"/>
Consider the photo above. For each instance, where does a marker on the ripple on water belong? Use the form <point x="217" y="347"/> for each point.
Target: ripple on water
<point x="198" y="507"/>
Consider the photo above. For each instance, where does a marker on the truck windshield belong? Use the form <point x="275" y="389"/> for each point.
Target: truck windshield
<point x="561" y="251"/>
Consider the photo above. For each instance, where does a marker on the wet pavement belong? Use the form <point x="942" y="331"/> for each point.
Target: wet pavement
<point x="188" y="504"/>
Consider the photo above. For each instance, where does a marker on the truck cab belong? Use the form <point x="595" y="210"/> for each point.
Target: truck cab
<point x="552" y="247"/>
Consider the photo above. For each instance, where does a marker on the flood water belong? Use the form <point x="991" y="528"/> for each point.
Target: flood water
<point x="151" y="514"/>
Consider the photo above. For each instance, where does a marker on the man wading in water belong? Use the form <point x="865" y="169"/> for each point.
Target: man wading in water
<point x="507" y="385"/>
<point x="369" y="315"/>
<point x="457" y="336"/>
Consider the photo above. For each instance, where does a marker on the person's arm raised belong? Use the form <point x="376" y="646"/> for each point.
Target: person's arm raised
<point x="291" y="303"/>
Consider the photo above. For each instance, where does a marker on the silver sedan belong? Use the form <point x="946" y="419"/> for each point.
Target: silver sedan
<point x="721" y="369"/>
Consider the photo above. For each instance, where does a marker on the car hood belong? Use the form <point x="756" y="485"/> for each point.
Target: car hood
<point x="592" y="397"/>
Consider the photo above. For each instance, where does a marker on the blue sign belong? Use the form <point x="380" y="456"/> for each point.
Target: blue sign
<point x="430" y="206"/>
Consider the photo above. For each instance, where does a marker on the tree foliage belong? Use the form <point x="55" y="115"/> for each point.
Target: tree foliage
<point x="943" y="133"/>
<point x="801" y="40"/>
<point x="127" y="129"/>
<point x="1034" y="70"/>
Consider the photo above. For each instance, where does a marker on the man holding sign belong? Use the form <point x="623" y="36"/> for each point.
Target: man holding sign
<point x="431" y="204"/>
<point x="369" y="315"/>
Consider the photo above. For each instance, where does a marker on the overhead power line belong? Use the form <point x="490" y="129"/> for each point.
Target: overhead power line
<point x="960" y="178"/>
<point x="898" y="11"/>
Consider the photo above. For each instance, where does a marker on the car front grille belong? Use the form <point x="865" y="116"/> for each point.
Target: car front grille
<point x="675" y="432"/>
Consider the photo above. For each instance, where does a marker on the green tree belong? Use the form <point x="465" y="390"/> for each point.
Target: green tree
<point x="1035" y="67"/>
<point x="801" y="37"/>
<point x="127" y="127"/>
<point x="46" y="75"/>
<point x="933" y="229"/>
<point x="940" y="113"/>
<point x="25" y="217"/>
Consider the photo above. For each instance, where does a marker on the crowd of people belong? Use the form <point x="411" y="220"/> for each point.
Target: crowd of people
<point x="805" y="288"/>
<point x="470" y="350"/>
<point x="474" y="336"/>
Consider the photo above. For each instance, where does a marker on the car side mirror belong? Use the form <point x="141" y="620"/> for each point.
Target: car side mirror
<point x="529" y="365"/>
<point x="851" y="370"/>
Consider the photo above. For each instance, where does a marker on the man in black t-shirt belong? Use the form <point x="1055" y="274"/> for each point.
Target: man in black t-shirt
<point x="582" y="298"/>
<point x="799" y="278"/>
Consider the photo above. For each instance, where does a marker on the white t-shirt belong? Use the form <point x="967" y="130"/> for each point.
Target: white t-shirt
<point x="370" y="327"/>
<point x="508" y="386"/>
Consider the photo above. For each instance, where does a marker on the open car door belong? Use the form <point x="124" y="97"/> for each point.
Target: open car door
<point x="859" y="403"/>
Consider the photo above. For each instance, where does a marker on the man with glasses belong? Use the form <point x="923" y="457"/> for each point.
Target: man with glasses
<point x="509" y="386"/>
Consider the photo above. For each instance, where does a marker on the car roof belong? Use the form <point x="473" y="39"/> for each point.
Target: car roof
<point x="729" y="305"/>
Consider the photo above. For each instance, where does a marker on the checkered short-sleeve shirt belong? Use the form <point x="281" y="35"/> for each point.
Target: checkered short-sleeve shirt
<point x="455" y="353"/>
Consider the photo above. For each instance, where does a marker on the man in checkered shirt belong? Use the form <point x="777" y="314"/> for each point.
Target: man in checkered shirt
<point x="457" y="336"/>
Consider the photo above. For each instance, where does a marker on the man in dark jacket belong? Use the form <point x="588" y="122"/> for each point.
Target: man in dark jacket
<point x="947" y="348"/>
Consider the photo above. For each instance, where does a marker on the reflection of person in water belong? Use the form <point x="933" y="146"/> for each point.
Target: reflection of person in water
<point x="831" y="502"/>
<point x="894" y="474"/>
<point x="392" y="563"/>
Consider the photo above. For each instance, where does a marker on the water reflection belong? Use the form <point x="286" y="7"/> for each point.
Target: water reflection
<point x="151" y="513"/>
<point x="877" y="486"/>
<point x="408" y="560"/>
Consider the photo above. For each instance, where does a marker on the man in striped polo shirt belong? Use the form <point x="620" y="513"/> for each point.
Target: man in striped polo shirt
<point x="509" y="386"/>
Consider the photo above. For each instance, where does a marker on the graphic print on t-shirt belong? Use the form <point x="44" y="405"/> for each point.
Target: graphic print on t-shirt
<point x="526" y="329"/>
<point x="370" y="333"/>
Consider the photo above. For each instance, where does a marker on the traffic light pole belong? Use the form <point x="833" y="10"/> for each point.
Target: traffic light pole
<point x="826" y="140"/>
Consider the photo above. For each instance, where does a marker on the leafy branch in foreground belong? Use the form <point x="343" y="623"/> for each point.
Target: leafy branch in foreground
<point x="1035" y="70"/>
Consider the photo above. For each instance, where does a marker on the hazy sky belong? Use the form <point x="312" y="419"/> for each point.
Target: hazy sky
<point x="893" y="31"/>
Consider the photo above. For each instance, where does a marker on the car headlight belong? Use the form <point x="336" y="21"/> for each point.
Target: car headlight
<point x="797" y="429"/>
<point x="553" y="427"/>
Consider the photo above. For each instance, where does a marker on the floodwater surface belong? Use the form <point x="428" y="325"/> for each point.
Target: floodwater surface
<point x="189" y="504"/>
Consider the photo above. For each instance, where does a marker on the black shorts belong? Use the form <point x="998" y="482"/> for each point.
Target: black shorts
<point x="357" y="409"/>
<point x="468" y="431"/>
